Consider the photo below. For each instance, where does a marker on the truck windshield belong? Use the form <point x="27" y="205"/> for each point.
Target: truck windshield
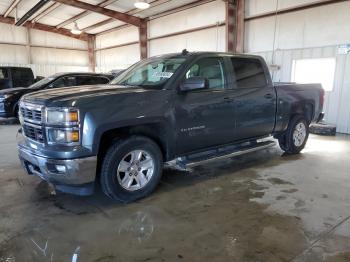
<point x="150" y="73"/>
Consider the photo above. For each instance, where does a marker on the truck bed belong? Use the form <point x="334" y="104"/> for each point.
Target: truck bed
<point x="306" y="99"/>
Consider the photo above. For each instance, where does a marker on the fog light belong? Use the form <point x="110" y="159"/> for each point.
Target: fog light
<point x="61" y="169"/>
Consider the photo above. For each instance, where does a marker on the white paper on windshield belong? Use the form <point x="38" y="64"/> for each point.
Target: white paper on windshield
<point x="163" y="74"/>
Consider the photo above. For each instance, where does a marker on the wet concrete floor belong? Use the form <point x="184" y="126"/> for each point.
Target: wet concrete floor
<point x="259" y="207"/>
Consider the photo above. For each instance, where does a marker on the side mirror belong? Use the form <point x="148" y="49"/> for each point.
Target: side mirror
<point x="194" y="83"/>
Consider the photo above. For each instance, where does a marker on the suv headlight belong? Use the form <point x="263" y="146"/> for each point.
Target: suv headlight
<point x="62" y="116"/>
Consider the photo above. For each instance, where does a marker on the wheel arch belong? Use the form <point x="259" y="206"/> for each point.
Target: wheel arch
<point x="155" y="132"/>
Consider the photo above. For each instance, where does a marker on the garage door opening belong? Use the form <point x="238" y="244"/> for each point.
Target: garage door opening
<point x="320" y="70"/>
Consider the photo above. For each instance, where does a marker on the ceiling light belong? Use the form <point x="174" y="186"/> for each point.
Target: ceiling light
<point x="142" y="4"/>
<point x="75" y="30"/>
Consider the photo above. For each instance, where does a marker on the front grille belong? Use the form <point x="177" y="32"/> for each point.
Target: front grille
<point x="34" y="133"/>
<point x="31" y="114"/>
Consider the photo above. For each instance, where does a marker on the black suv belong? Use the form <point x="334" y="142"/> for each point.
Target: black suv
<point x="9" y="97"/>
<point x="11" y="77"/>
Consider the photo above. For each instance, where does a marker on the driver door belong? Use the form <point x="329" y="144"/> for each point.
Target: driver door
<point x="205" y="117"/>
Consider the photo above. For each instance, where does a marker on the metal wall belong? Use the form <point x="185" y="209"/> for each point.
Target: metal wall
<point x="47" y="53"/>
<point x="170" y="33"/>
<point x="310" y="33"/>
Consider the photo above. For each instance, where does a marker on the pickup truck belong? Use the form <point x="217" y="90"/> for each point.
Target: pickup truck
<point x="178" y="109"/>
<point x="10" y="97"/>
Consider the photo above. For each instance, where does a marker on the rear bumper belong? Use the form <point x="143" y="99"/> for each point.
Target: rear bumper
<point x="76" y="176"/>
<point x="4" y="110"/>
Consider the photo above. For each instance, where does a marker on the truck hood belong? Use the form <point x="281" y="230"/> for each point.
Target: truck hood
<point x="77" y="92"/>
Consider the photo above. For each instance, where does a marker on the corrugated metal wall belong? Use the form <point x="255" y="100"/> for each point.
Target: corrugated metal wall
<point x="48" y="53"/>
<point x="212" y="39"/>
<point x="311" y="33"/>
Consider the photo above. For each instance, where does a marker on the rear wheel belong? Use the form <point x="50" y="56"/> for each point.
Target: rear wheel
<point x="295" y="138"/>
<point x="131" y="169"/>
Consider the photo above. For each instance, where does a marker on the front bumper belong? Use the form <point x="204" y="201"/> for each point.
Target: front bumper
<point x="76" y="176"/>
<point x="4" y="110"/>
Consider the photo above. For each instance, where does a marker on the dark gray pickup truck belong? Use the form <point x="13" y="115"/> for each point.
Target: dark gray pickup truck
<point x="179" y="109"/>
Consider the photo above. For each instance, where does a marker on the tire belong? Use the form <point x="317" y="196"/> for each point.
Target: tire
<point x="296" y="136"/>
<point x="124" y="176"/>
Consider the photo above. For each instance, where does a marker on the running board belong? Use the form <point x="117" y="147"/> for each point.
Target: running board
<point x="193" y="160"/>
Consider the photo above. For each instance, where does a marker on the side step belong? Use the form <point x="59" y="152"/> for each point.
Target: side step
<point x="219" y="153"/>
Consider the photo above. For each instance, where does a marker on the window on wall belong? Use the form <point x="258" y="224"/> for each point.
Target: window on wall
<point x="319" y="70"/>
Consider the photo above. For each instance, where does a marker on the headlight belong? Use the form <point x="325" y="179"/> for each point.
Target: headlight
<point x="63" y="136"/>
<point x="62" y="116"/>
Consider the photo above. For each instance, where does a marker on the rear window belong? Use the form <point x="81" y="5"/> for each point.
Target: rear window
<point x="249" y="73"/>
<point x="22" y="77"/>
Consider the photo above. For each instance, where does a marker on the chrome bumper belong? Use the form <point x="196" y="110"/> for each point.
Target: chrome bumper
<point x="72" y="172"/>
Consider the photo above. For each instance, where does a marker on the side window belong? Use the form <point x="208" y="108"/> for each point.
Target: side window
<point x="210" y="68"/>
<point x="3" y="74"/>
<point x="63" y="82"/>
<point x="249" y="73"/>
<point x="83" y="80"/>
<point x="101" y="80"/>
<point x="91" y="80"/>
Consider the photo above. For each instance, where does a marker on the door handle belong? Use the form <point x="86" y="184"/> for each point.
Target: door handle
<point x="268" y="96"/>
<point x="228" y="99"/>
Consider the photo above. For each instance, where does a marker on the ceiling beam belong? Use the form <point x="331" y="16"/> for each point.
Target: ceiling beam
<point x="129" y="19"/>
<point x="48" y="10"/>
<point x="134" y="11"/>
<point x="158" y="3"/>
<point x="83" y="14"/>
<point x="11" y="7"/>
<point x="31" y="12"/>
<point x="47" y="28"/>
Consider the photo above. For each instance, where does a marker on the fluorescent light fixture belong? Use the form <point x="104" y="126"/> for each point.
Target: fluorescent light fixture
<point x="142" y="4"/>
<point x="75" y="30"/>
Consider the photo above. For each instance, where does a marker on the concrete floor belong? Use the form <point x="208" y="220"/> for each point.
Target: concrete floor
<point x="260" y="207"/>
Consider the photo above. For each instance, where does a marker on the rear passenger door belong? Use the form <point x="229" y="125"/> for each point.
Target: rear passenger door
<point x="254" y="98"/>
<point x="204" y="117"/>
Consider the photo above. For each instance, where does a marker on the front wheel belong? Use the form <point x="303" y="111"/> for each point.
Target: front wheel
<point x="131" y="169"/>
<point x="296" y="136"/>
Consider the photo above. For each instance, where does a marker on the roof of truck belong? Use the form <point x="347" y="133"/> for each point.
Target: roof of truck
<point x="186" y="53"/>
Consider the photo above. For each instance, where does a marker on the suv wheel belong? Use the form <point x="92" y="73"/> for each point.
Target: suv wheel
<point x="131" y="169"/>
<point x="295" y="138"/>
